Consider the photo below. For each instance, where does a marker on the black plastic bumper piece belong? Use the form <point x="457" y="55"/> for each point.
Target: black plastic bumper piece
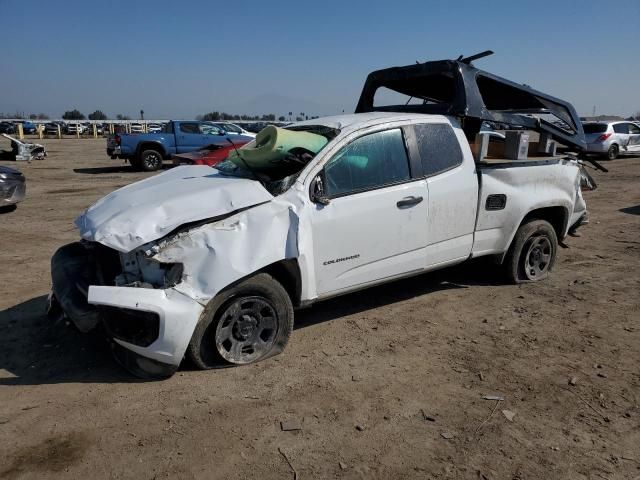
<point x="72" y="271"/>
<point x="132" y="326"/>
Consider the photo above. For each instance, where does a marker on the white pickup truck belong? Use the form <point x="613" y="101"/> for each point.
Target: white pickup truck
<point x="211" y="263"/>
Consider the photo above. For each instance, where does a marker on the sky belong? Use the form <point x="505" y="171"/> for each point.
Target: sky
<point x="177" y="59"/>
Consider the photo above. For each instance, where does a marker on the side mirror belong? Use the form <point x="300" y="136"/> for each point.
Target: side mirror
<point x="318" y="194"/>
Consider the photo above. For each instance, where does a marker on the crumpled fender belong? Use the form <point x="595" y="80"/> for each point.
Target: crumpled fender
<point x="220" y="253"/>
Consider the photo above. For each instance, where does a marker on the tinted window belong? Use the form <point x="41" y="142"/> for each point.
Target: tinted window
<point x="634" y="129"/>
<point x="190" y="127"/>
<point x="594" y="127"/>
<point x="368" y="162"/>
<point x="621" y="128"/>
<point x="438" y="147"/>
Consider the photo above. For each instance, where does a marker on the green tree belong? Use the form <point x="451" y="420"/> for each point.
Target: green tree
<point x="73" y="115"/>
<point x="122" y="117"/>
<point x="281" y="118"/>
<point x="97" y="115"/>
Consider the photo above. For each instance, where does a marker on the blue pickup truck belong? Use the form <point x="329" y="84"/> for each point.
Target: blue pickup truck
<point x="146" y="151"/>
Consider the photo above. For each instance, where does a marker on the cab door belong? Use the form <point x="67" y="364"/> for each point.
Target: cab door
<point x="189" y="137"/>
<point x="373" y="226"/>
<point x="453" y="192"/>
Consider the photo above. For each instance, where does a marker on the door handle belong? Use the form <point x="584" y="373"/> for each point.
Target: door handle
<point x="409" y="202"/>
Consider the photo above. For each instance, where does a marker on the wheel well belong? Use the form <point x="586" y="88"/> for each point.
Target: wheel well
<point x="556" y="216"/>
<point x="151" y="146"/>
<point x="287" y="272"/>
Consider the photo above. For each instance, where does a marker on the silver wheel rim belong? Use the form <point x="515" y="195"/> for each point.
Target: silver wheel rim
<point x="151" y="160"/>
<point x="247" y="330"/>
<point x="538" y="257"/>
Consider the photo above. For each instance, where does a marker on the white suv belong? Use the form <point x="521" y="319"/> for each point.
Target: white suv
<point x="611" y="139"/>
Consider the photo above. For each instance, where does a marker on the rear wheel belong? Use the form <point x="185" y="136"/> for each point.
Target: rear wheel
<point x="613" y="152"/>
<point x="244" y="324"/>
<point x="532" y="252"/>
<point x="150" y="160"/>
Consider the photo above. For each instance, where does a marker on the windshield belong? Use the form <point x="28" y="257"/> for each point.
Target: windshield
<point x="276" y="158"/>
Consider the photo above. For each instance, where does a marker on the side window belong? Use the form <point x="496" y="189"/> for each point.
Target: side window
<point x="190" y="127"/>
<point x="621" y="128"/>
<point x="210" y="129"/>
<point x="368" y="162"/>
<point x="634" y="129"/>
<point x="438" y="147"/>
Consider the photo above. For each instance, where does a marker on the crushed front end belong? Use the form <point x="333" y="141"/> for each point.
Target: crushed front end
<point x="132" y="298"/>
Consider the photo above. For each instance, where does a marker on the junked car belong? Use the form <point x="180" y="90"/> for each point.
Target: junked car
<point x="13" y="187"/>
<point x="612" y="139"/>
<point x="211" y="263"/>
<point x="25" y="151"/>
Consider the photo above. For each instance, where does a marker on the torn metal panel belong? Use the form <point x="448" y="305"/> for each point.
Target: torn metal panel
<point x="152" y="208"/>
<point x="217" y="254"/>
<point x="13" y="186"/>
<point x="26" y="151"/>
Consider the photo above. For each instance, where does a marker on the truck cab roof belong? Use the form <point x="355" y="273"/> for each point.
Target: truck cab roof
<point x="355" y="121"/>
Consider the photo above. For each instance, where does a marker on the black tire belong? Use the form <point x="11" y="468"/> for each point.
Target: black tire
<point x="532" y="253"/>
<point x="613" y="152"/>
<point x="247" y="323"/>
<point x="150" y="160"/>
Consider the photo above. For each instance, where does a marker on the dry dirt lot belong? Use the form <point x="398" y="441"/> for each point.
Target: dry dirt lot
<point x="386" y="383"/>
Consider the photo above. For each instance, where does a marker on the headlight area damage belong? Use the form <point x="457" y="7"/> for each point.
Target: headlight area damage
<point x="150" y="298"/>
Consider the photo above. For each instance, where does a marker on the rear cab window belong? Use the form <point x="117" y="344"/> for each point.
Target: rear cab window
<point x="438" y="148"/>
<point x="189" y="127"/>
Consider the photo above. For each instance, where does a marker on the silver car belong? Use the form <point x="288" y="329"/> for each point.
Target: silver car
<point x="611" y="139"/>
<point x="13" y="187"/>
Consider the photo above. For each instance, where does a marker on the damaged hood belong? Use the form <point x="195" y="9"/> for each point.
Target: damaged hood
<point x="150" y="209"/>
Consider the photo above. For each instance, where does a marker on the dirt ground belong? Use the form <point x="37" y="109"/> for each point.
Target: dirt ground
<point x="386" y="383"/>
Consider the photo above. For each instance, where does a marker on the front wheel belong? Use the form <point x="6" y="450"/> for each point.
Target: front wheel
<point x="532" y="252"/>
<point x="244" y="324"/>
<point x="150" y="160"/>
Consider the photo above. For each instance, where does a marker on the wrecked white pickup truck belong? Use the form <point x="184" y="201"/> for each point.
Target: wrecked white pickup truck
<point x="211" y="263"/>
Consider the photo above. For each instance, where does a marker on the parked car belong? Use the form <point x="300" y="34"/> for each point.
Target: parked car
<point x="210" y="155"/>
<point x="611" y="139"/>
<point x="13" y="187"/>
<point x="28" y="128"/>
<point x="146" y="151"/>
<point x="52" y="129"/>
<point x="154" y="128"/>
<point x="136" y="128"/>
<point x="233" y="129"/>
<point x="7" y="127"/>
<point x="75" y="128"/>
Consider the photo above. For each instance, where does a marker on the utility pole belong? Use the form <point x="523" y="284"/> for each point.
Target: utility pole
<point x="141" y="114"/>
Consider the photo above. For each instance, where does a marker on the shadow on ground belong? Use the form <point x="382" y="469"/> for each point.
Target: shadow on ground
<point x="631" y="210"/>
<point x="35" y="350"/>
<point x="113" y="169"/>
<point x="7" y="209"/>
<point x="475" y="273"/>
